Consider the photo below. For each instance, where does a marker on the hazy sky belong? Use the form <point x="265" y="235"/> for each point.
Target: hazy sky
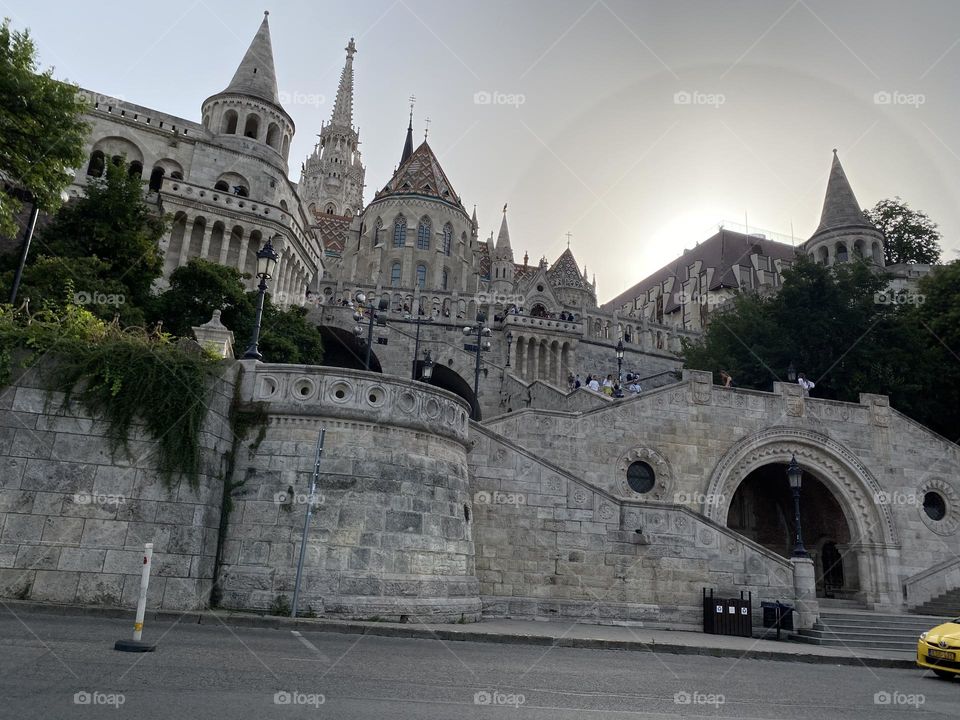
<point x="636" y="126"/>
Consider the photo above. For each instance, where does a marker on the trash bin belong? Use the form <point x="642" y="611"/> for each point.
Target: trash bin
<point x="728" y="616"/>
<point x="777" y="615"/>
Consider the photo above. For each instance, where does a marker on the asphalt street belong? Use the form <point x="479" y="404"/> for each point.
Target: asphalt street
<point x="65" y="667"/>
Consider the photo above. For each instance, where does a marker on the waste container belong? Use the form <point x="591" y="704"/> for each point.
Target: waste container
<point x="777" y="615"/>
<point x="728" y="616"/>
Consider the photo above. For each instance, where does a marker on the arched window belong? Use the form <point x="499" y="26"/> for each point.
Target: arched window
<point x="377" y="227"/>
<point x="229" y="124"/>
<point x="395" y="275"/>
<point x="423" y="234"/>
<point x="330" y="209"/>
<point x="156" y="179"/>
<point x="422" y="276"/>
<point x="286" y="146"/>
<point x="97" y="163"/>
<point x="283" y="205"/>
<point x="251" y="128"/>
<point x="176" y="175"/>
<point x="400" y="231"/>
<point x="222" y="186"/>
<point x="241" y="190"/>
<point x="273" y="136"/>
<point x="447" y="239"/>
<point x="841" y="252"/>
<point x="135" y="168"/>
<point x="444" y="278"/>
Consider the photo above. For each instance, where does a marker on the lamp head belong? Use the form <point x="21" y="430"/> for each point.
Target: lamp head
<point x="267" y="259"/>
<point x="794" y="473"/>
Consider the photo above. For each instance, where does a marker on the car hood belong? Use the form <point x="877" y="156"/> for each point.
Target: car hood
<point x="948" y="631"/>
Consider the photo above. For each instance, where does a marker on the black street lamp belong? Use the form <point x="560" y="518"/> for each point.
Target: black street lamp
<point x="792" y="372"/>
<point x="619" y="393"/>
<point x="427" y="373"/>
<point x="416" y="346"/>
<point x="27" y="236"/>
<point x="795" y="478"/>
<point x="482" y="331"/>
<point x="266" y="263"/>
<point x="509" y="344"/>
<point x="361" y="298"/>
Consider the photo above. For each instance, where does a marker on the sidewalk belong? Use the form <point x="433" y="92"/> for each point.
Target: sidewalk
<point x="520" y="632"/>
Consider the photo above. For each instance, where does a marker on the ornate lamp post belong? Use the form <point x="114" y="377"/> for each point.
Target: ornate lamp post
<point x="795" y="478"/>
<point x="619" y="393"/>
<point x="416" y="346"/>
<point x="482" y="331"/>
<point x="361" y="298"/>
<point x="792" y="372"/>
<point x="509" y="344"/>
<point x="266" y="264"/>
<point x="27" y="237"/>
<point x="428" y="363"/>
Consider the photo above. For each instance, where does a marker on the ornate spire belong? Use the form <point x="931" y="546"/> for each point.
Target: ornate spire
<point x="343" y="106"/>
<point x="408" y="144"/>
<point x="503" y="238"/>
<point x="255" y="76"/>
<point x="840" y="206"/>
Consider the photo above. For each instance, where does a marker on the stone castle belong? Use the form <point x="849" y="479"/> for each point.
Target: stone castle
<point x="493" y="489"/>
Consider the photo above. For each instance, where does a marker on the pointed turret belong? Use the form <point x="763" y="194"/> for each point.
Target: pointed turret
<point x="343" y="106"/>
<point x="408" y="143"/>
<point x="503" y="237"/>
<point x="844" y="232"/>
<point x="255" y="76"/>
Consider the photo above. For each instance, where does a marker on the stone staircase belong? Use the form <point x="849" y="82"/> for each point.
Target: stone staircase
<point x="947" y="605"/>
<point x="843" y="624"/>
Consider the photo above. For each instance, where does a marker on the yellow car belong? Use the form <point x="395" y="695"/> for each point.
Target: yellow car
<point x="938" y="649"/>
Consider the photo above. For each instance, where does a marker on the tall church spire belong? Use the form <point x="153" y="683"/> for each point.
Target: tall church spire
<point x="343" y="106"/>
<point x="255" y="76"/>
<point x="503" y="238"/>
<point x="408" y="144"/>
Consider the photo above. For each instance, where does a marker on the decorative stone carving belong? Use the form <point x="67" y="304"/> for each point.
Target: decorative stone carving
<point x="663" y="474"/>
<point x="793" y="400"/>
<point x="951" y="520"/>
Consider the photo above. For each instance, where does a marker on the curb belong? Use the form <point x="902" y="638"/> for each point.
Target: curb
<point x="211" y="617"/>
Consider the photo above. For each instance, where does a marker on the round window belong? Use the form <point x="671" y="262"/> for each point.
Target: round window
<point x="934" y="506"/>
<point x="640" y="477"/>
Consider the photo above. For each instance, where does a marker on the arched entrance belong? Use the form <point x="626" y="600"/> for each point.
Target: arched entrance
<point x="341" y="348"/>
<point x="871" y="556"/>
<point x="762" y="510"/>
<point x="444" y="377"/>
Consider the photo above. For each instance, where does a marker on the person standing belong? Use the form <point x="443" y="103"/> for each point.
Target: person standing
<point x="807" y="385"/>
<point x="726" y="379"/>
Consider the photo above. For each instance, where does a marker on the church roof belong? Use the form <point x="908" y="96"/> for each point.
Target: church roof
<point x="503" y="238"/>
<point x="343" y="106"/>
<point x="255" y="76"/>
<point x="483" y="260"/>
<point x="840" y="206"/>
<point x="566" y="273"/>
<point x="421" y="175"/>
<point x="333" y="231"/>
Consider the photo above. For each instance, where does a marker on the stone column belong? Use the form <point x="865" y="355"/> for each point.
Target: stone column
<point x="804" y="593"/>
<point x="242" y="257"/>
<point x="187" y="239"/>
<point x="205" y="243"/>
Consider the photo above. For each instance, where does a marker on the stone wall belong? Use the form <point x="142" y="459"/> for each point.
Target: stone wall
<point x="75" y="518"/>
<point x="392" y="534"/>
<point x="551" y="545"/>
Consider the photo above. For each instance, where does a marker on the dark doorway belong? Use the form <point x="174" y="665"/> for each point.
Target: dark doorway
<point x="342" y="348"/>
<point x="832" y="563"/>
<point x="444" y="377"/>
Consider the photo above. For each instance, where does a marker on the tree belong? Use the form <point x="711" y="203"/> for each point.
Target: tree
<point x="910" y="236"/>
<point x="41" y="129"/>
<point x="113" y="225"/>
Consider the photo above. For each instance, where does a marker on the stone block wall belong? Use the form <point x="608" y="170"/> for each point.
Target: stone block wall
<point x="74" y="518"/>
<point x="391" y="536"/>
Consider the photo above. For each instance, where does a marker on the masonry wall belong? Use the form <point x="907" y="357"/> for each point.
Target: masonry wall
<point x="74" y="518"/>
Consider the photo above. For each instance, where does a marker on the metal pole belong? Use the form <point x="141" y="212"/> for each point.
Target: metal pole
<point x="798" y="549"/>
<point x="366" y="363"/>
<point x="306" y="522"/>
<point x="476" y="373"/>
<point x="416" y="350"/>
<point x="142" y="600"/>
<point x="27" y="238"/>
<point x="253" y="352"/>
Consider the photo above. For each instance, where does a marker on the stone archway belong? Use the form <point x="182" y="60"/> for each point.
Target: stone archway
<point x="874" y="539"/>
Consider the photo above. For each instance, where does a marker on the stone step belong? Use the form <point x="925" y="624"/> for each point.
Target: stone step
<point x="832" y="634"/>
<point x="893" y="645"/>
<point x="881" y="618"/>
<point x="946" y="604"/>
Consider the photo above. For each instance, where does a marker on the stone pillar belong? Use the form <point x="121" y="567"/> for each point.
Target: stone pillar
<point x="804" y="593"/>
<point x="187" y="240"/>
<point x="205" y="243"/>
<point x="215" y="336"/>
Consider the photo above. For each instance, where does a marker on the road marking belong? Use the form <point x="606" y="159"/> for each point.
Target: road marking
<point x="310" y="645"/>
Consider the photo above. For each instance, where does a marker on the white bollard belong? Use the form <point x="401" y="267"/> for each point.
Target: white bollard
<point x="137" y="645"/>
<point x="144" y="582"/>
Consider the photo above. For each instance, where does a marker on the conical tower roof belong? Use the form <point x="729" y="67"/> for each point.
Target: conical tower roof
<point x="408" y="142"/>
<point x="343" y="105"/>
<point x="840" y="206"/>
<point x="256" y="76"/>
<point x="421" y="174"/>
<point x="565" y="272"/>
<point x="503" y="237"/>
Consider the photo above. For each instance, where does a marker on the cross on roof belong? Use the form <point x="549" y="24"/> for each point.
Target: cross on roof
<point x="569" y="235"/>
<point x="427" y="128"/>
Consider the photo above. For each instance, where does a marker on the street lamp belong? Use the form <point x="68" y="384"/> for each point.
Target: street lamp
<point x="266" y="264"/>
<point x="795" y="478"/>
<point x="361" y="298"/>
<point x="619" y="368"/>
<point x="482" y="331"/>
<point x="28" y="237"/>
<point x="792" y="372"/>
<point x="509" y="344"/>
<point x="427" y="373"/>
<point x="416" y="346"/>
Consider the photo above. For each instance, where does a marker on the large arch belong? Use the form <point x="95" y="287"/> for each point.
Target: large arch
<point x="448" y="379"/>
<point x="341" y="348"/>
<point x="874" y="536"/>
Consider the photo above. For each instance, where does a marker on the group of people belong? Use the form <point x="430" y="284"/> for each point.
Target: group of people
<point x="806" y="384"/>
<point x="608" y="385"/>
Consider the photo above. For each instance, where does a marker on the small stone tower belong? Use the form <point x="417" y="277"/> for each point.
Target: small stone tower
<point x="333" y="175"/>
<point x="247" y="115"/>
<point x="844" y="233"/>
<point x="502" y="269"/>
